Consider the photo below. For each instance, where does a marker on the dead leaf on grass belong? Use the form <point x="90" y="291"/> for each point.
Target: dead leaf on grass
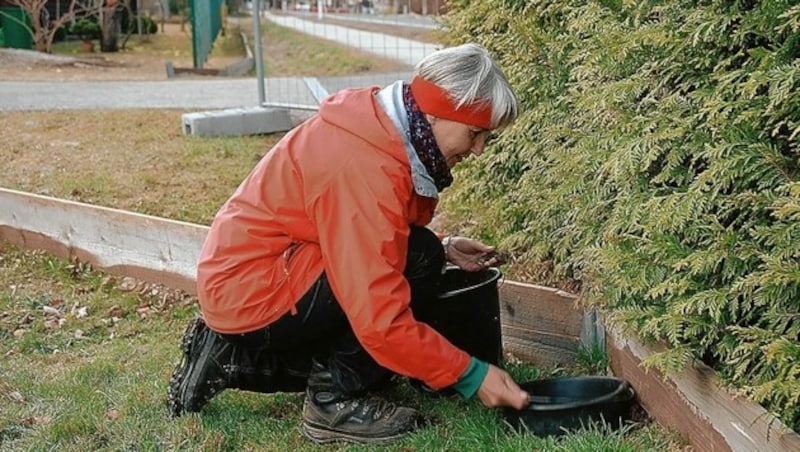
<point x="26" y="319"/>
<point x="144" y="311"/>
<point x="112" y="414"/>
<point x="51" y="311"/>
<point x="37" y="420"/>
<point x="9" y="391"/>
<point x="116" y="312"/>
<point x="79" y="311"/>
<point x="54" y="324"/>
<point x="128" y="284"/>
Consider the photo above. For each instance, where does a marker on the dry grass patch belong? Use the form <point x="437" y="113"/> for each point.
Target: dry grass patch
<point x="136" y="160"/>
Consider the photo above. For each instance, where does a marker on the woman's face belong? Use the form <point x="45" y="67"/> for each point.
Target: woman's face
<point x="457" y="140"/>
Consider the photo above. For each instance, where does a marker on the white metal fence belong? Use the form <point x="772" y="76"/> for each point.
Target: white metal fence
<point x="346" y="28"/>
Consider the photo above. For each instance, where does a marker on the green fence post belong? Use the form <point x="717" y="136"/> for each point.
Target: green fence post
<point x="206" y="22"/>
<point x="16" y="27"/>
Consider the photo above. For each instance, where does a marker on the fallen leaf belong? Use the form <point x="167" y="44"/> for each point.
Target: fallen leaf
<point x="37" y="420"/>
<point x="115" y="312"/>
<point x="18" y="333"/>
<point x="49" y="310"/>
<point x="127" y="284"/>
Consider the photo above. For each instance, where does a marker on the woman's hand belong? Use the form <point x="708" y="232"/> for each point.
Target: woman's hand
<point x="469" y="254"/>
<point x="498" y="389"/>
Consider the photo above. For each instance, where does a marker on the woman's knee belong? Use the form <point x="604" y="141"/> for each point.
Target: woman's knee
<point x="425" y="253"/>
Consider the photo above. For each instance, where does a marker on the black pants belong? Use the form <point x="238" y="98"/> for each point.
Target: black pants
<point x="284" y="349"/>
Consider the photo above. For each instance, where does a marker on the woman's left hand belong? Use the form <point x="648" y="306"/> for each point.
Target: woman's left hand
<point x="469" y="254"/>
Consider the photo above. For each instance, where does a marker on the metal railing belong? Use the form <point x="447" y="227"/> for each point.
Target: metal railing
<point x="306" y="91"/>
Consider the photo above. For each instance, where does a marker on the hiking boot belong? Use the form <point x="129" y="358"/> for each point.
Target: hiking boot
<point x="330" y="415"/>
<point x="201" y="373"/>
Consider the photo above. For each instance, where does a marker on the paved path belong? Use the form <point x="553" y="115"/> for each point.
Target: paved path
<point x="110" y="95"/>
<point x="404" y="20"/>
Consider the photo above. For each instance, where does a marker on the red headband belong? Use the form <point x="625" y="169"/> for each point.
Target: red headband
<point x="436" y="101"/>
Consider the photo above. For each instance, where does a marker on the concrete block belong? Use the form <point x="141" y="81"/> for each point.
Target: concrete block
<point x="237" y="122"/>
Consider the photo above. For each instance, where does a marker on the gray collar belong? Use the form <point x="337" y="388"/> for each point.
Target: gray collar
<point x="391" y="99"/>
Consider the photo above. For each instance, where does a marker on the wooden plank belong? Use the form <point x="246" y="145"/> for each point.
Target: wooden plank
<point x="695" y="403"/>
<point x="146" y="247"/>
<point x="544" y="308"/>
<point x="542" y="350"/>
<point x="542" y="325"/>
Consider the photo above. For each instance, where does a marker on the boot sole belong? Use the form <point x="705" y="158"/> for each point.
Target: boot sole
<point x="176" y="382"/>
<point x="322" y="435"/>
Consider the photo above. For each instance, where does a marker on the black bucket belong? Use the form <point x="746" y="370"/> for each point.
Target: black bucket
<point x="467" y="312"/>
<point x="560" y="405"/>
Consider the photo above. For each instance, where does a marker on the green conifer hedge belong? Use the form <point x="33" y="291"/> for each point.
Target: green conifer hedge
<point x="657" y="162"/>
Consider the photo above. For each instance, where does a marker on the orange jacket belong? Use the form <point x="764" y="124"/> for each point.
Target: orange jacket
<point x="335" y="194"/>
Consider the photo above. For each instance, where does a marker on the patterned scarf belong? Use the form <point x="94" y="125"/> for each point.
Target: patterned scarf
<point x="425" y="144"/>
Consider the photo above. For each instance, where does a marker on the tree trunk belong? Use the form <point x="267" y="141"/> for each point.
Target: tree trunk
<point x="111" y="28"/>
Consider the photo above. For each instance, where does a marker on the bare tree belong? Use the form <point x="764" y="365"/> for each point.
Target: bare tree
<point x="43" y="28"/>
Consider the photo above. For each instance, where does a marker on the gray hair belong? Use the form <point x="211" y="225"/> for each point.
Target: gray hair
<point x="470" y="75"/>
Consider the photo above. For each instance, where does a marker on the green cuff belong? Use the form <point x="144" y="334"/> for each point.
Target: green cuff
<point x="469" y="382"/>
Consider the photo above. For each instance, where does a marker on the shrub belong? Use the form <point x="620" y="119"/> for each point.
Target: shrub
<point x="149" y="26"/>
<point x="179" y="7"/>
<point x="61" y="33"/>
<point x="657" y="162"/>
<point x="85" y="29"/>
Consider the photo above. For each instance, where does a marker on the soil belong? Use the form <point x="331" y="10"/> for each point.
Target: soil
<point x="131" y="63"/>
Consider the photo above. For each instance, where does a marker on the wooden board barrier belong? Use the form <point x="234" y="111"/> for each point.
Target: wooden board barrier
<point x="540" y="324"/>
<point x="694" y="403"/>
<point x="125" y="243"/>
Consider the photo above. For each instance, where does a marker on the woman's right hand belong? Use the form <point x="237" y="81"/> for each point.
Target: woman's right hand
<point x="499" y="389"/>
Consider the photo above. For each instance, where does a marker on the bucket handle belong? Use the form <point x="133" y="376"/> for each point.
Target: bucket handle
<point x="536" y="401"/>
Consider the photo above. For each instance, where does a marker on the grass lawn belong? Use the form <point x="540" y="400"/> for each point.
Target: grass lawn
<point x="86" y="356"/>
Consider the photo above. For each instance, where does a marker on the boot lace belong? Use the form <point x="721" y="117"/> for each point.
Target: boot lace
<point x="379" y="407"/>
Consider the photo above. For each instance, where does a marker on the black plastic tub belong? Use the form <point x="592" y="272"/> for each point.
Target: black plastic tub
<point x="560" y="405"/>
<point x="467" y="312"/>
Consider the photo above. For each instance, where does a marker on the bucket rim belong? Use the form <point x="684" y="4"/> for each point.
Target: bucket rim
<point x="622" y="392"/>
<point x="496" y="274"/>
